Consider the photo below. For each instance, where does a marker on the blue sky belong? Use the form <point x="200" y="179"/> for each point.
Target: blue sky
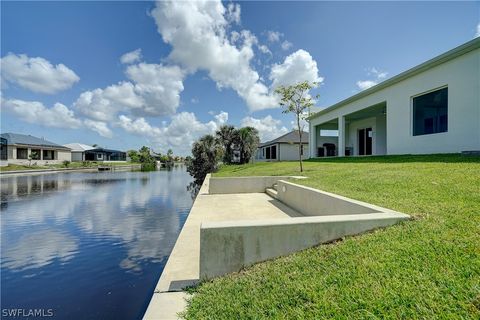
<point x="202" y="64"/>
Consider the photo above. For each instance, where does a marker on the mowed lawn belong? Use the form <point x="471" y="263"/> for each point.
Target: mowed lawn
<point x="426" y="268"/>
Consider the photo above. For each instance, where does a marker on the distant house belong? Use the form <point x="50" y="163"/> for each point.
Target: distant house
<point x="18" y="148"/>
<point x="78" y="150"/>
<point x="101" y="154"/>
<point x="283" y="148"/>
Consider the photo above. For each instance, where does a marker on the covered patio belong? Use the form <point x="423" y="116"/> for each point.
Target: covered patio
<point x="359" y="133"/>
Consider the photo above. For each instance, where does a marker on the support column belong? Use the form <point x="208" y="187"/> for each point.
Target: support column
<point x="312" y="143"/>
<point x="41" y="154"/>
<point x="341" y="136"/>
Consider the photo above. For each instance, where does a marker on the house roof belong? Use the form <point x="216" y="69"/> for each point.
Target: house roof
<point x="78" y="147"/>
<point x="291" y="137"/>
<point x="104" y="150"/>
<point x="28" y="140"/>
<point x="447" y="56"/>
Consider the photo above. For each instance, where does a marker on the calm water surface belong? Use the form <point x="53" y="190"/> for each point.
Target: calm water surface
<point x="89" y="245"/>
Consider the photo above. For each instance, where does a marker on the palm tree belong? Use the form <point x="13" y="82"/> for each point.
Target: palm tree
<point x="206" y="154"/>
<point x="248" y="141"/>
<point x="226" y="136"/>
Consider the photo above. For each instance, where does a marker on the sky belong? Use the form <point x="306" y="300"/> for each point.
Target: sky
<point x="162" y="74"/>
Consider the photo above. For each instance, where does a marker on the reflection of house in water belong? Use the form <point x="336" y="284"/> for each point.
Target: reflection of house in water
<point x="16" y="187"/>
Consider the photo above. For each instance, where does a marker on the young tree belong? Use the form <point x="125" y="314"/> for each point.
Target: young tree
<point x="295" y="99"/>
<point x="33" y="155"/>
<point x="133" y="155"/>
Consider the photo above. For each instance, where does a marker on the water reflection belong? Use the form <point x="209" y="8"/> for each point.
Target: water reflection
<point x="121" y="221"/>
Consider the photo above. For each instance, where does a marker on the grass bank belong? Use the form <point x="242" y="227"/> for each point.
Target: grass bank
<point x="426" y="268"/>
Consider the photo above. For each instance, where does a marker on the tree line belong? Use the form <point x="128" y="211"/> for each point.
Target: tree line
<point x="228" y="146"/>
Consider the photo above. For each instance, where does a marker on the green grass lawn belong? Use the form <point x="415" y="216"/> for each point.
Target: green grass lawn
<point x="426" y="268"/>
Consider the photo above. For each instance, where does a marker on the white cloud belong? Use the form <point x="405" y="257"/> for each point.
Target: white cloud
<point x="233" y="12"/>
<point x="179" y="134"/>
<point x="154" y="90"/>
<point x="197" y="32"/>
<point x="131" y="57"/>
<point x="286" y="45"/>
<point x="99" y="127"/>
<point x="477" y="33"/>
<point x="36" y="74"/>
<point x="297" y="67"/>
<point x="274" y="36"/>
<point x="376" y="74"/>
<point x="365" y="84"/>
<point x="268" y="127"/>
<point x="35" y="112"/>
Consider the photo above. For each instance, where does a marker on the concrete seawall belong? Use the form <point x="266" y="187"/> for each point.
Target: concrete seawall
<point x="236" y="222"/>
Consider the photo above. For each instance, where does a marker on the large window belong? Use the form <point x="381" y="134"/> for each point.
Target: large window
<point x="22" y="153"/>
<point x="3" y="150"/>
<point x="271" y="153"/>
<point x="48" y="155"/>
<point x="430" y="112"/>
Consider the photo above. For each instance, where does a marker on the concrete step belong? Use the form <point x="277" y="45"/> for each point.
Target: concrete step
<point x="271" y="192"/>
<point x="275" y="186"/>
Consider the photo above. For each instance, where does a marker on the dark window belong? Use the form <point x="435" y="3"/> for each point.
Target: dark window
<point x="430" y="112"/>
<point x="301" y="149"/>
<point x="3" y="150"/>
<point x="274" y="152"/>
<point x="48" y="155"/>
<point x="22" y="153"/>
<point x="268" y="152"/>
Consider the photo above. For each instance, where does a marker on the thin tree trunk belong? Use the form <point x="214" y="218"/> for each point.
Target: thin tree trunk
<point x="300" y="146"/>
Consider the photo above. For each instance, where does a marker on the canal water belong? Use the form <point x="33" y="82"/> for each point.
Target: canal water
<point x="88" y="245"/>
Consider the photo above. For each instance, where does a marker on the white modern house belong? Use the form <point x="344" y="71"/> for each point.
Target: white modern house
<point x="283" y="148"/>
<point x="25" y="149"/>
<point x="431" y="108"/>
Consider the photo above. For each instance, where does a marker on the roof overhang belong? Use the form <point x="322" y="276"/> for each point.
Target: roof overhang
<point x="447" y="56"/>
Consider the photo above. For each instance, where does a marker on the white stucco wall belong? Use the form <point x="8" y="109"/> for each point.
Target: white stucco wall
<point x="64" y="155"/>
<point x="290" y="151"/>
<point x="460" y="75"/>
<point x="77" y="156"/>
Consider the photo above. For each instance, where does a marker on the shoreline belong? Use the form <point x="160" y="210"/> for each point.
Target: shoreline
<point x="58" y="170"/>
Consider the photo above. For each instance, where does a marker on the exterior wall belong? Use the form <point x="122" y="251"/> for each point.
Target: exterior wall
<point x="289" y="152"/>
<point x="460" y="75"/>
<point x="59" y="157"/>
<point x="64" y="156"/>
<point x="77" y="156"/>
<point x="285" y="152"/>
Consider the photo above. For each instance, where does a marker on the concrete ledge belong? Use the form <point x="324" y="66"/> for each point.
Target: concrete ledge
<point x="244" y="184"/>
<point x="314" y="202"/>
<point x="229" y="246"/>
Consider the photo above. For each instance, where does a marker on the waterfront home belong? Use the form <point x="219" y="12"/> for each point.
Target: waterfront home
<point x="283" y="148"/>
<point x="25" y="149"/>
<point x="78" y="150"/>
<point x="431" y="108"/>
<point x="84" y="152"/>
<point x="102" y="154"/>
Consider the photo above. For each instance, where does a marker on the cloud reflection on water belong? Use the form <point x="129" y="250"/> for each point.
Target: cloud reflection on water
<point x="138" y="211"/>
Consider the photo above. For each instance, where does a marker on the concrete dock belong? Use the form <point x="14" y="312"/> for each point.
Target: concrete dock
<point x="182" y="268"/>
